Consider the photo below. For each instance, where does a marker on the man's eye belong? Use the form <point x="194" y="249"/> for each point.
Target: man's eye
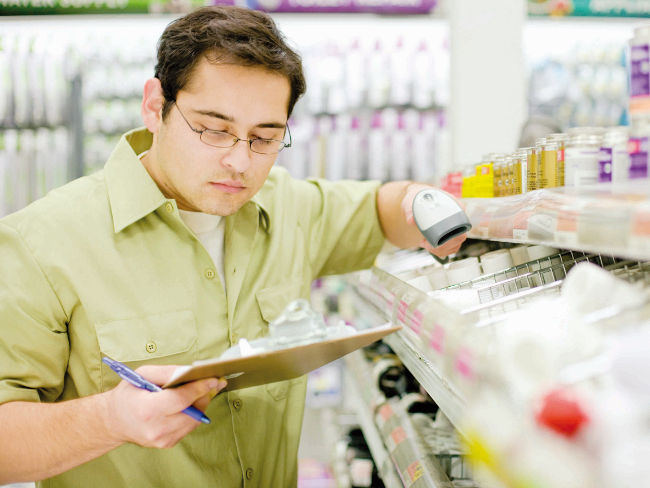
<point x="264" y="142"/>
<point x="219" y="134"/>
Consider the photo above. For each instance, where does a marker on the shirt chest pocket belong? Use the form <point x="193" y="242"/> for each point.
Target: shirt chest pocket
<point x="165" y="338"/>
<point x="271" y="302"/>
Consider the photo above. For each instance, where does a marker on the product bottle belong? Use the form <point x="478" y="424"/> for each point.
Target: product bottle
<point x="378" y="77"/>
<point x="355" y="76"/>
<point x="422" y="127"/>
<point x="638" y="146"/>
<point x="531" y="168"/>
<point x="614" y="160"/>
<point x="378" y="149"/>
<point x="559" y="139"/>
<point x="355" y="150"/>
<point x="581" y="156"/>
<point x="401" y="64"/>
<point x="400" y="150"/>
<point x="423" y="75"/>
<point x="548" y="163"/>
<point x="640" y="70"/>
<point x="336" y="155"/>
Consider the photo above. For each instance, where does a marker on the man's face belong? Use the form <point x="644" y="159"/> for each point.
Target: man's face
<point x="247" y="102"/>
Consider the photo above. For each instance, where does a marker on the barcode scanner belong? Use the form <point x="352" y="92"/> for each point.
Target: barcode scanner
<point x="439" y="216"/>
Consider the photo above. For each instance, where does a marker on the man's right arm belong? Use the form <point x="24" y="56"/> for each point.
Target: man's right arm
<point x="41" y="440"/>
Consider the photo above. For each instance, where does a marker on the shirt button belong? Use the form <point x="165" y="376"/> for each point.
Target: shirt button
<point x="151" y="347"/>
<point x="237" y="405"/>
<point x="249" y="473"/>
<point x="169" y="207"/>
<point x="209" y="273"/>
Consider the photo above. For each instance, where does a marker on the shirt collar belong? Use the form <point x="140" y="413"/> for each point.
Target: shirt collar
<point x="133" y="194"/>
<point x="262" y="207"/>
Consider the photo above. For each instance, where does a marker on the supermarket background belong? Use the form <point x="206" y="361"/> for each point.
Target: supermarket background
<point x="537" y="112"/>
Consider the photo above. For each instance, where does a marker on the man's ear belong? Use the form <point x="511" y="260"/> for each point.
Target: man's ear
<point x="152" y="102"/>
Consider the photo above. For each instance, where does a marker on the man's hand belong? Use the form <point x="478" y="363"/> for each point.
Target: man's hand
<point x="451" y="246"/>
<point x="156" y="419"/>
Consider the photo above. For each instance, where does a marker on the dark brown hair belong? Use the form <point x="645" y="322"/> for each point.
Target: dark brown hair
<point x="224" y="33"/>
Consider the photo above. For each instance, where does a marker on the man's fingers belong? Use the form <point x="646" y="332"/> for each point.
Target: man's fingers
<point x="158" y="375"/>
<point x="186" y="395"/>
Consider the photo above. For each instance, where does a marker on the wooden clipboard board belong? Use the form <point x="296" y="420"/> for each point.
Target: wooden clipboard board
<point x="283" y="364"/>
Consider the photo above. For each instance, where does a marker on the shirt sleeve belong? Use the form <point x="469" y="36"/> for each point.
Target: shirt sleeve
<point x="34" y="345"/>
<point x="344" y="233"/>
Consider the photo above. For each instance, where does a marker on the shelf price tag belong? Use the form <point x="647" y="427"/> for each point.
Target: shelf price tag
<point x="465" y="363"/>
<point x="416" y="321"/>
<point x="640" y="235"/>
<point x="520" y="225"/>
<point x="402" y="309"/>
<point x="415" y="471"/>
<point x="437" y="339"/>
<point x="567" y="229"/>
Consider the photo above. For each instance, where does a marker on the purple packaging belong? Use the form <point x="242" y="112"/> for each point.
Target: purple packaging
<point x="605" y="164"/>
<point x="639" y="75"/>
<point x="638" y="150"/>
<point x="337" y="6"/>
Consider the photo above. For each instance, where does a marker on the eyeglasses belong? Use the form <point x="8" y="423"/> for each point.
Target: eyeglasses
<point x="218" y="138"/>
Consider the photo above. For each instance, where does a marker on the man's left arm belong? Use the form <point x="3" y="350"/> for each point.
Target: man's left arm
<point x="395" y="211"/>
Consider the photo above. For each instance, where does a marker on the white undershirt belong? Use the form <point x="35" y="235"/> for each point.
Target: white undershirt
<point x="209" y="229"/>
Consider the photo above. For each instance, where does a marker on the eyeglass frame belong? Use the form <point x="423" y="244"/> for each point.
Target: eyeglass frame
<point x="235" y="138"/>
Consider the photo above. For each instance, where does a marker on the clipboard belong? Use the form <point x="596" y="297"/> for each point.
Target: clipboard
<point x="282" y="364"/>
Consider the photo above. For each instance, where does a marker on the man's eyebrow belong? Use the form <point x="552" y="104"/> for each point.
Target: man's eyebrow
<point x="227" y="118"/>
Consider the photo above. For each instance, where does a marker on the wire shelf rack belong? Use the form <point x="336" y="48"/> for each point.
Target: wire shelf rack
<point x="511" y="288"/>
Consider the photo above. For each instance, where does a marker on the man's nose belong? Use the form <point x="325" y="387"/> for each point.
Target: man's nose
<point x="238" y="157"/>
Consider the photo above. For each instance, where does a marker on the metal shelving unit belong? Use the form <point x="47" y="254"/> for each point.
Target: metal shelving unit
<point x="392" y="437"/>
<point x="448" y="398"/>
<point x="385" y="466"/>
<point x="468" y="326"/>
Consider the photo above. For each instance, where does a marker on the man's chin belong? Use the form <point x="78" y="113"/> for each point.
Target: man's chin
<point x="224" y="209"/>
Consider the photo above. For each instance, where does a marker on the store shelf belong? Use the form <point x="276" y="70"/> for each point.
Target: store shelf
<point x="390" y="433"/>
<point x="468" y="358"/>
<point x="428" y="375"/>
<point x="365" y="414"/>
<point x="609" y="219"/>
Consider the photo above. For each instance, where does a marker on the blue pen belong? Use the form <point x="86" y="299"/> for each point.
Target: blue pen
<point x="138" y="381"/>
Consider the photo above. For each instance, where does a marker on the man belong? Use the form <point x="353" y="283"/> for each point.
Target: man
<point x="184" y="243"/>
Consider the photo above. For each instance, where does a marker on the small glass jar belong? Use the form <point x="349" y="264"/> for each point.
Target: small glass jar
<point x="531" y="168"/>
<point x="508" y="175"/>
<point x="547" y="163"/>
<point x="499" y="183"/>
<point x="521" y="171"/>
<point x="581" y="155"/>
<point x="560" y="139"/>
<point x="498" y="178"/>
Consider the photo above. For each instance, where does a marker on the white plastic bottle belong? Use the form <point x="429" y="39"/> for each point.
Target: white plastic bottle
<point x="400" y="150"/>
<point x="355" y="150"/>
<point x="356" y="80"/>
<point x="377" y="149"/>
<point x="336" y="154"/>
<point x="401" y="64"/>
<point x="378" y="77"/>
<point x="422" y="96"/>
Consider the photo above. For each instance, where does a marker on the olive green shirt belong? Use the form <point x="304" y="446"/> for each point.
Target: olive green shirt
<point x="105" y="266"/>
